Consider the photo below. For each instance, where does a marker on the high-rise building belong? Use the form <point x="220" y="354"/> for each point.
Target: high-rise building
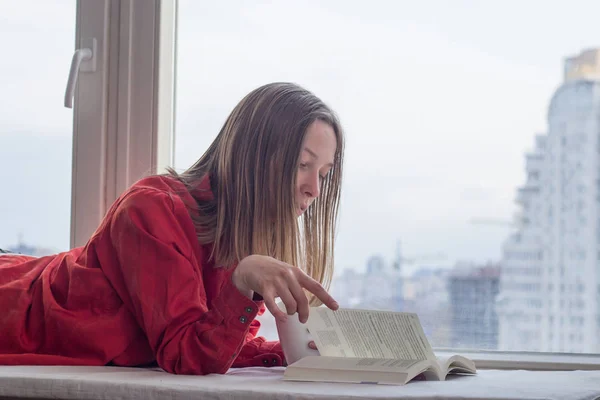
<point x="519" y="304"/>
<point x="472" y="291"/>
<point x="379" y="285"/>
<point x="425" y="292"/>
<point x="550" y="282"/>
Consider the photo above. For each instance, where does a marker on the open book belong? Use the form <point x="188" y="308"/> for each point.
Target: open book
<point x="364" y="346"/>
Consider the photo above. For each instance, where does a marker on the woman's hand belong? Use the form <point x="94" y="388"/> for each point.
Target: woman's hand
<point x="272" y="278"/>
<point x="312" y="345"/>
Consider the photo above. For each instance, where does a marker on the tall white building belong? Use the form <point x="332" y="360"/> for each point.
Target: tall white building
<point x="519" y="305"/>
<point x="549" y="296"/>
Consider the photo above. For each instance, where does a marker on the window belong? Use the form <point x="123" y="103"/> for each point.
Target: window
<point x="429" y="111"/>
<point x="57" y="201"/>
<point x="36" y="131"/>
<point x="416" y="93"/>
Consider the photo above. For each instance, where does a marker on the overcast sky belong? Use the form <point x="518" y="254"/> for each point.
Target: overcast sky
<point x="439" y="99"/>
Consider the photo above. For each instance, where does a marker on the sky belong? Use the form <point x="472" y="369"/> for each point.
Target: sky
<point x="440" y="100"/>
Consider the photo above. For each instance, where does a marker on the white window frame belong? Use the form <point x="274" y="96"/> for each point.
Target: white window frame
<point x="123" y="111"/>
<point x="123" y="129"/>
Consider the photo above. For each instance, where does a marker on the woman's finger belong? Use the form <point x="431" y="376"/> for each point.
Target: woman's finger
<point x="302" y="305"/>
<point x="287" y="298"/>
<point x="315" y="288"/>
<point x="272" y="307"/>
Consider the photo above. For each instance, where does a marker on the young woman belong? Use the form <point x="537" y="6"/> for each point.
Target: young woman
<point x="183" y="263"/>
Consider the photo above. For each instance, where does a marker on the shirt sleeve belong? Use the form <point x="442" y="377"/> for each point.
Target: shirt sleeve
<point x="257" y="351"/>
<point x="161" y="281"/>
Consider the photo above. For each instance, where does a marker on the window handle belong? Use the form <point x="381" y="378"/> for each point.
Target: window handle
<point x="83" y="60"/>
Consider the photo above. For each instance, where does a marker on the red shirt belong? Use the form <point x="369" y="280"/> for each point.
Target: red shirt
<point x="141" y="290"/>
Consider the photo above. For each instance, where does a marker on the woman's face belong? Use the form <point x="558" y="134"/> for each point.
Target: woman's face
<point x="316" y="160"/>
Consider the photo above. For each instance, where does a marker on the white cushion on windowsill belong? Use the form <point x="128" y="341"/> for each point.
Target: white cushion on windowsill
<point x="266" y="383"/>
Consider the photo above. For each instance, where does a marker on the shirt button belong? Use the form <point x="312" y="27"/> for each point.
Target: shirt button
<point x="266" y="362"/>
<point x="249" y="309"/>
<point x="275" y="361"/>
<point x="243" y="319"/>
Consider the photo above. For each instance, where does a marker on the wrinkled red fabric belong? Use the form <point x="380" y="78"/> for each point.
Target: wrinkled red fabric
<point x="142" y="290"/>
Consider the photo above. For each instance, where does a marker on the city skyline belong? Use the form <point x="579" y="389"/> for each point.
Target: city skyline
<point x="435" y="131"/>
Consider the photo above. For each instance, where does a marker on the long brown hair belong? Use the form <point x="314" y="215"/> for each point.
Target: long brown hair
<point x="252" y="165"/>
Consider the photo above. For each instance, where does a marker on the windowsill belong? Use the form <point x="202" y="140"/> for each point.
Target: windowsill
<point x="261" y="383"/>
<point x="527" y="360"/>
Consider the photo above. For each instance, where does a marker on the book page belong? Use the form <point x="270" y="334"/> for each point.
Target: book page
<point x="456" y="364"/>
<point x="358" y="370"/>
<point x="369" y="334"/>
<point x="359" y="364"/>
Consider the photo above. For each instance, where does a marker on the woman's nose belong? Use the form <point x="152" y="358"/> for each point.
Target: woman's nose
<point x="313" y="187"/>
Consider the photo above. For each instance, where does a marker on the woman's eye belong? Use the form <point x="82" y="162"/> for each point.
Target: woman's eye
<point x="303" y="165"/>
